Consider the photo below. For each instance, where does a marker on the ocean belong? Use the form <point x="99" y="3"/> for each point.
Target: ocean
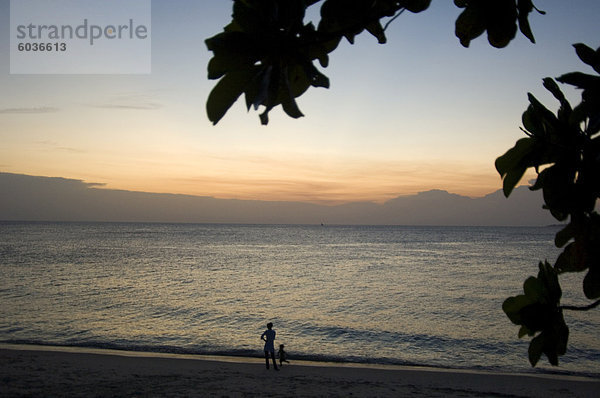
<point x="427" y="296"/>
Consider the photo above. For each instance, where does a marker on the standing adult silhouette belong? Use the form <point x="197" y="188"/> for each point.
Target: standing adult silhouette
<point x="268" y="337"/>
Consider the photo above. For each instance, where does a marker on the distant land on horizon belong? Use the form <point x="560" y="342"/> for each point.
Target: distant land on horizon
<point x="33" y="198"/>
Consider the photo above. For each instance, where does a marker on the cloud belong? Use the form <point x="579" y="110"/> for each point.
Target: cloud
<point x="55" y="146"/>
<point x="69" y="149"/>
<point x="144" y="107"/>
<point x="40" y="109"/>
<point x="323" y="179"/>
<point x="129" y="102"/>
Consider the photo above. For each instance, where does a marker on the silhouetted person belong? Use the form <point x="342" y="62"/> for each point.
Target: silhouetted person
<point x="282" y="355"/>
<point x="269" y="338"/>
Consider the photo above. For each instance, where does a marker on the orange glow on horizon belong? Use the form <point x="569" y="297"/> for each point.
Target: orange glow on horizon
<point x="371" y="183"/>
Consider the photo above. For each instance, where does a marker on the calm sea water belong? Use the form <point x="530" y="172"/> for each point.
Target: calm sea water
<point x="397" y="295"/>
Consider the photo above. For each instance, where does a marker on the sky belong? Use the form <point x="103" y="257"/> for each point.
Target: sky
<point x="418" y="113"/>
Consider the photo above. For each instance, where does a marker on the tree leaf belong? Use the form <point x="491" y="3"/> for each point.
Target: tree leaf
<point x="533" y="288"/>
<point x="416" y="5"/>
<point x="511" y="179"/>
<point x="548" y="278"/>
<point x="264" y="117"/>
<point x="513" y="157"/>
<point x="564" y="235"/>
<point x="258" y="90"/>
<point x="566" y="261"/>
<point x="591" y="283"/>
<point x="558" y="190"/>
<point x="512" y="307"/>
<point x="226" y="92"/>
<point x="469" y="25"/>
<point x="565" y="107"/>
<point x="525" y="7"/>
<point x="545" y="115"/>
<point x="299" y="80"/>
<point x="579" y="80"/>
<point x="286" y="96"/>
<point x="588" y="56"/>
<point x="525" y="331"/>
<point x="317" y="79"/>
<point x="531" y="122"/>
<point x="512" y="165"/>
<point x="535" y="349"/>
<point x="376" y="30"/>
<point x="502" y="27"/>
<point x="538" y="311"/>
<point x="232" y="44"/>
<point x="223" y="63"/>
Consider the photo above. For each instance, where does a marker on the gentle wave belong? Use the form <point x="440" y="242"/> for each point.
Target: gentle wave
<point x="390" y="295"/>
<point x="315" y="358"/>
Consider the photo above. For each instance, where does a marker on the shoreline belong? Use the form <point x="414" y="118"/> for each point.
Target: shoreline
<point x="75" y="371"/>
<point x="234" y="358"/>
<point x="240" y="358"/>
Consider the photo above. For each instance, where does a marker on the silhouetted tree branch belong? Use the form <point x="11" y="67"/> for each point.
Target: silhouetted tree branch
<point x="584" y="308"/>
<point x="267" y="53"/>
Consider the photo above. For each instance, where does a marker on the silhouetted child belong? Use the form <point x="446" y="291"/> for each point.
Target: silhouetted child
<point x="282" y="355"/>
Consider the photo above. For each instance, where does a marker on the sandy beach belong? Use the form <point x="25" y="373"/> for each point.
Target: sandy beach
<point x="59" y="371"/>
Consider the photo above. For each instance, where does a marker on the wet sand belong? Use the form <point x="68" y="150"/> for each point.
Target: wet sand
<point x="75" y="372"/>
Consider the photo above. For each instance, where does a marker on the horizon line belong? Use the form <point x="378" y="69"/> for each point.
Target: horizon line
<point x="329" y="203"/>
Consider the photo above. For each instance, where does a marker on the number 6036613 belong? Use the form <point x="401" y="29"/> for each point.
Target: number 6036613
<point x="41" y="47"/>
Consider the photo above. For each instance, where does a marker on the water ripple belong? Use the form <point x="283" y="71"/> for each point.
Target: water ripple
<point x="402" y="295"/>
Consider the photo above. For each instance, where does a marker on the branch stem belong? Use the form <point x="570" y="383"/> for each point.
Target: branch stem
<point x="585" y="308"/>
<point x="392" y="20"/>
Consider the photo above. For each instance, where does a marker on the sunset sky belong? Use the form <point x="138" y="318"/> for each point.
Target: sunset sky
<point x="418" y="113"/>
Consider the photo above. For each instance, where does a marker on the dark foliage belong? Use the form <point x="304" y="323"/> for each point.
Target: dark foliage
<point x="269" y="54"/>
<point x="567" y="147"/>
